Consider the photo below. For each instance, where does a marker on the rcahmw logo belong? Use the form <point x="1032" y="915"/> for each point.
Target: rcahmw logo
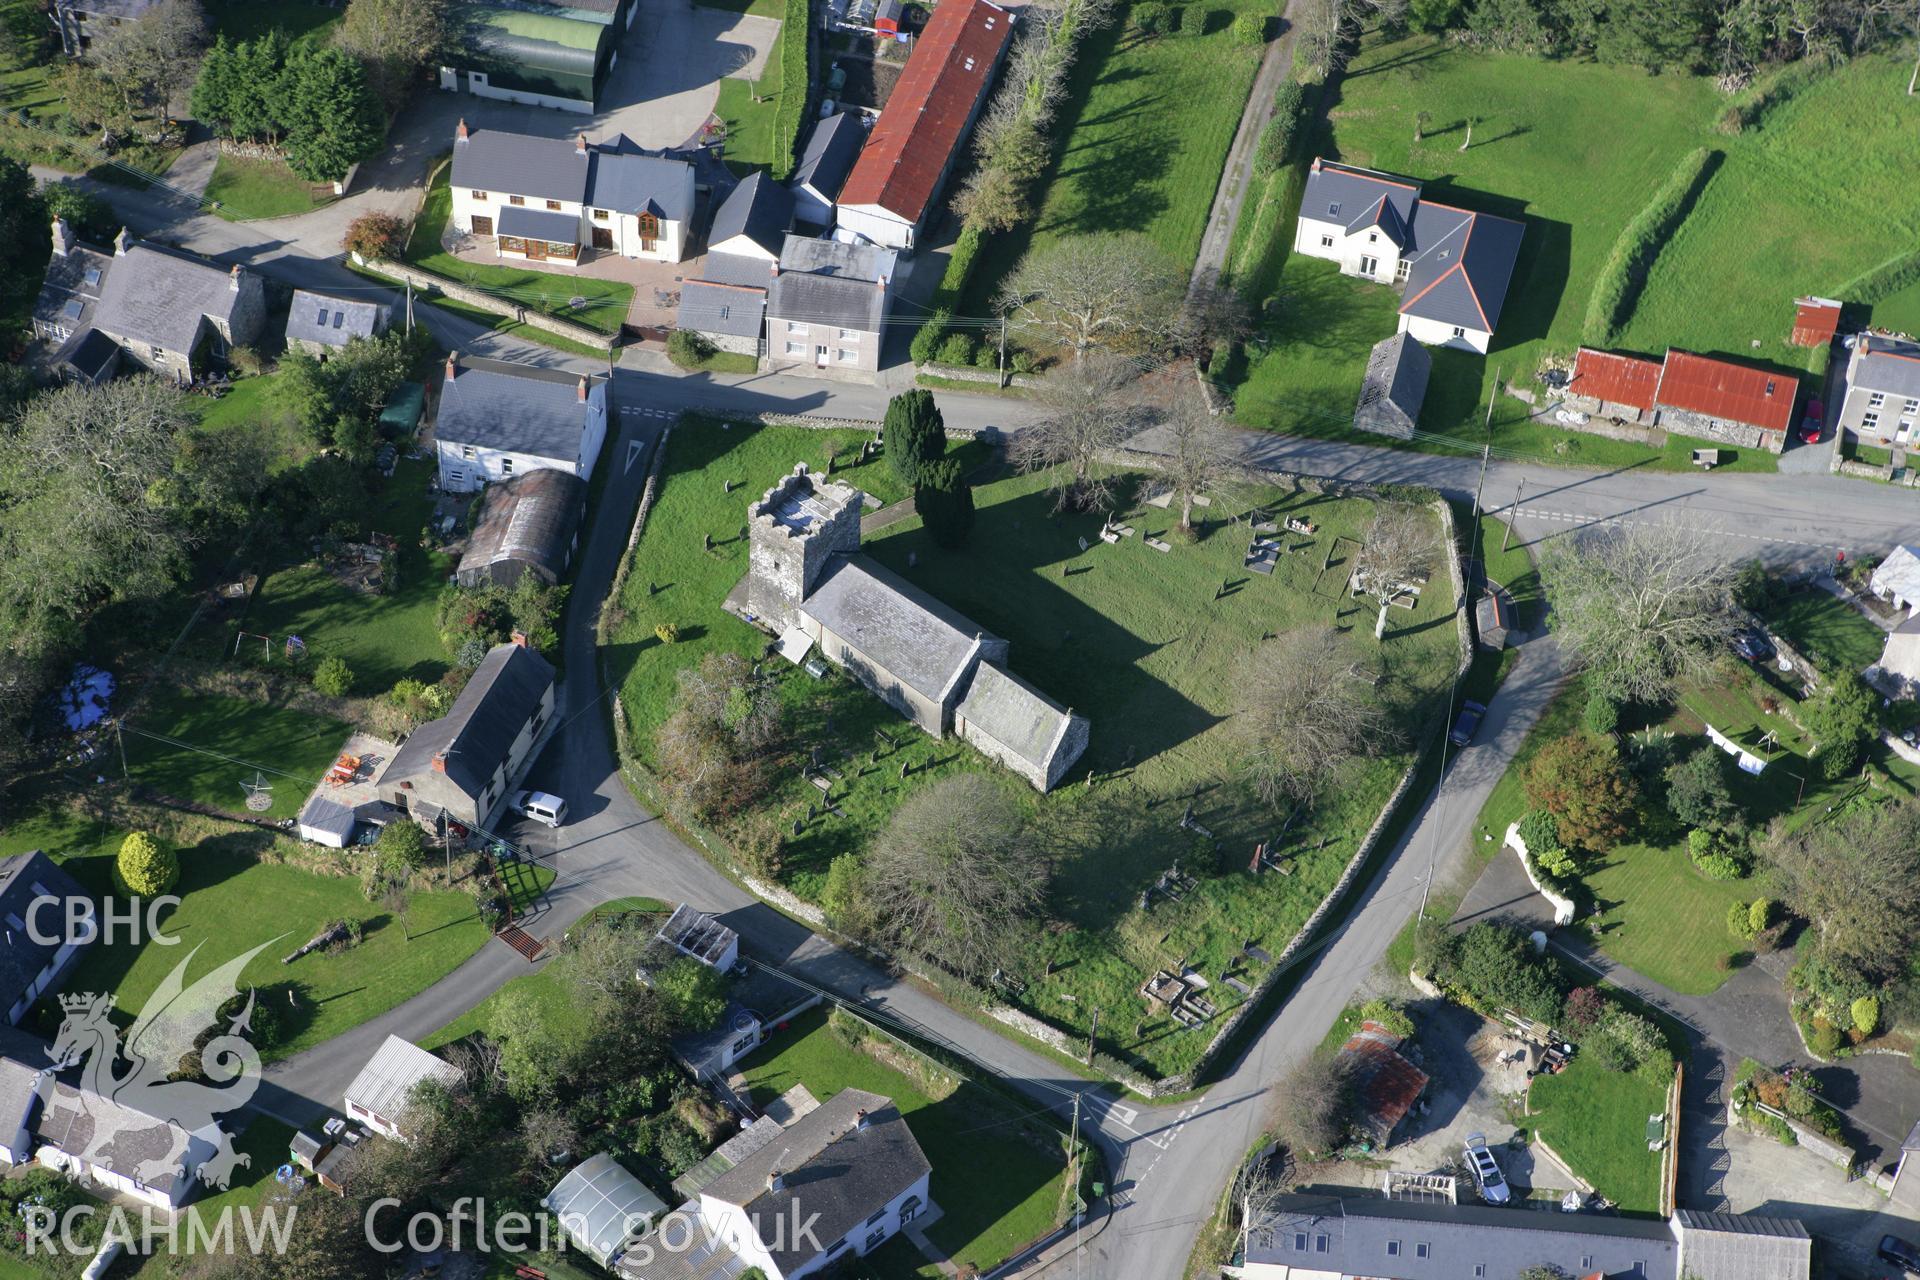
<point x="53" y="921"/>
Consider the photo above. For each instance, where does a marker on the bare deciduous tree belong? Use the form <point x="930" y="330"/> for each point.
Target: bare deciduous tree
<point x="1312" y="1106"/>
<point x="954" y="872"/>
<point x="1307" y="706"/>
<point x="1400" y="545"/>
<point x="1642" y="609"/>
<point x="1856" y="879"/>
<point x="713" y="749"/>
<point x="1202" y="456"/>
<point x="599" y="961"/>
<point x="547" y="1132"/>
<point x="395" y="38"/>
<point x="155" y="57"/>
<point x="1212" y="313"/>
<point x="1086" y="292"/>
<point x="1086" y="417"/>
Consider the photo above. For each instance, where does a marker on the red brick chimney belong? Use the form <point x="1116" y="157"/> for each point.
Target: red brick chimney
<point x="520" y="638"/>
<point x="439" y="762"/>
<point x="450" y="366"/>
<point x="582" y="389"/>
<point x="460" y="132"/>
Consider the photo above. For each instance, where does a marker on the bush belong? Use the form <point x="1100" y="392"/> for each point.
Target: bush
<point x="1718" y="866"/>
<point x="666" y="632"/>
<point x="1617" y="287"/>
<point x="1700" y="794"/>
<point x="1497" y="968"/>
<point x="1866" y="1014"/>
<point x="1823" y="1038"/>
<point x="932" y="333"/>
<point x="1760" y="914"/>
<point x="333" y="677"/>
<point x="1639" y="1037"/>
<point x="1883" y="281"/>
<point x="1740" y="921"/>
<point x="688" y="349"/>
<point x="1391" y="1018"/>
<point x="1602" y="715"/>
<point x="1278" y="138"/>
<point x="1843" y="718"/>
<point x="956" y="349"/>
<point x="796" y="81"/>
<point x="1156" y="18"/>
<point x="1250" y="29"/>
<point x="405" y="843"/>
<point x="375" y="236"/>
<point x="1022" y="361"/>
<point x="1586" y="1006"/>
<point x="987" y="357"/>
<point x="1580" y="780"/>
<point x="147" y="865"/>
<point x="953" y="281"/>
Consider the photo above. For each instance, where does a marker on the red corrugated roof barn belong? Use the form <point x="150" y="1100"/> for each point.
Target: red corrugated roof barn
<point x="1815" y="321"/>
<point x="1615" y="378"/>
<point x="1385" y="1084"/>
<point x="1727" y="391"/>
<point x="925" y="121"/>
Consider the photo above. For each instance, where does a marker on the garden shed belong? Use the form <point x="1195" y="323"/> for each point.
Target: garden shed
<point x="328" y="822"/>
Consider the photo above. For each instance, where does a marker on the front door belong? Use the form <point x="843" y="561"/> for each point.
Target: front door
<point x="1369" y="266"/>
<point x="1905" y="433"/>
<point x="819" y="357"/>
<point x="483" y="224"/>
<point x="603" y="237"/>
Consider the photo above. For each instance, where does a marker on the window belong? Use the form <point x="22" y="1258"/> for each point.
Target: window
<point x="466" y="451"/>
<point x="1400" y="271"/>
<point x="1586" y="1262"/>
<point x="1326" y="242"/>
<point x="323" y="318"/>
<point x="1333" y="210"/>
<point x="1372" y="238"/>
<point x="874" y="1239"/>
<point x="516" y="200"/>
<point x="1300" y="1241"/>
<point x="455" y="478"/>
<point x="1913" y="406"/>
<point x="745" y="1043"/>
<point x="969" y="64"/>
<point x="1420" y="1250"/>
<point x="1876" y="400"/>
<point x="796" y="326"/>
<point x="1868" y="421"/>
<point x="649" y="225"/>
<point x="1369" y="265"/>
<point x="1479" y="1268"/>
<point x="1459" y="332"/>
<point x="839" y="1248"/>
<point x="1393" y="1248"/>
<point x="1320" y="1243"/>
<point x="506" y="466"/>
<point x="158" y="353"/>
<point x="845" y="335"/>
<point x="846" y="355"/>
<point x="599" y="215"/>
<point x="1769" y="386"/>
<point x="796" y="348"/>
<point x="478" y="195"/>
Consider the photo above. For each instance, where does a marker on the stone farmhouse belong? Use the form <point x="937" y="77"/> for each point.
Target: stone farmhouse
<point x="809" y="583"/>
<point x="498" y="420"/>
<point x="1692" y="395"/>
<point x="1452" y="266"/>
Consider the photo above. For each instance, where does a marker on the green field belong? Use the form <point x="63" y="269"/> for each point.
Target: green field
<point x="1725" y="282"/>
<point x="997" y="1174"/>
<point x="1597" y="1121"/>
<point x="225" y="740"/>
<point x="1144" y="135"/>
<point x="1143" y="644"/>
<point x="248" y="189"/>
<point x="748" y="107"/>
<point x="1828" y="630"/>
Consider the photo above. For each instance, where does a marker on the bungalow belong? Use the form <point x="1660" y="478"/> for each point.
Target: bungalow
<point x="893" y="188"/>
<point x="49" y="921"/>
<point x="1883" y="389"/>
<point x="1452" y="266"/>
<point x="498" y="420"/>
<point x="320" y="324"/>
<point x="172" y="312"/>
<point x="461" y="767"/>
<point x="547" y="199"/>
<point x="380" y="1094"/>
<point x="1688" y="394"/>
<point x="544" y="53"/>
<point x="827" y="305"/>
<point x="827" y="159"/>
<point x="528" y="524"/>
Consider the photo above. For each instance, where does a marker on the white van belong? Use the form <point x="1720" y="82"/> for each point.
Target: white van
<point x="540" y="806"/>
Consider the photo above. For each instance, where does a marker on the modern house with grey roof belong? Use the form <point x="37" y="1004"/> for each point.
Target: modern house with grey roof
<point x="808" y="583"/>
<point x="498" y="420"/>
<point x="321" y="324"/>
<point x="727" y="304"/>
<point x="824" y="164"/>
<point x="80" y="22"/>
<point x="552" y="199"/>
<point x="752" y="222"/>
<point x="529" y="524"/>
<point x="380" y="1094"/>
<point x="827" y="308"/>
<point x="1883" y="390"/>
<point x="462" y="767"/>
<point x="1451" y="266"/>
<point x="851" y="1168"/>
<point x="1394" y="387"/>
<point x="544" y="53"/>
<point x="48" y="920"/>
<point x="1327" y="1237"/>
<point x="169" y="311"/>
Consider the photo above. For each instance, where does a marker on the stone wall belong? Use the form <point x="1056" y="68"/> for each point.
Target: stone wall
<point x="1736" y="434"/>
<point x="969" y="373"/>
<point x="1562" y="905"/>
<point x="437" y="284"/>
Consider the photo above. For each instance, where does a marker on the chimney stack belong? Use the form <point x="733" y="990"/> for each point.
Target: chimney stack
<point x="233" y="278"/>
<point x="62" y="237"/>
<point x="775" y="1182"/>
<point x="580" y="144"/>
<point x="450" y="366"/>
<point x="861" y="1120"/>
<point x="520" y="638"/>
<point x="460" y="132"/>
<point x="439" y="762"/>
<point x="120" y="243"/>
<point x="581" y="391"/>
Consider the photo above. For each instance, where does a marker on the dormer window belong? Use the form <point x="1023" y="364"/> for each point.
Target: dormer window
<point x="1333" y="210"/>
<point x="969" y="64"/>
<point x="1769" y="386"/>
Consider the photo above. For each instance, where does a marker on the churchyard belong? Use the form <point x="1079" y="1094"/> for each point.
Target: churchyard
<point x="1144" y="643"/>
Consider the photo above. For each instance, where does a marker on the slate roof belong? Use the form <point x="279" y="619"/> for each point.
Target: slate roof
<point x="520" y="164"/>
<point x="1728" y="1246"/>
<point x="925" y="120"/>
<point x="832" y="282"/>
<point x="828" y="1166"/>
<point x="831" y="150"/>
<point x="1899" y="574"/>
<point x="129" y="1142"/>
<point x="1345" y="194"/>
<point x="627" y="180"/>
<point x="71" y="290"/>
<point x="1357" y="1230"/>
<point x="1723" y="389"/>
<point x="1397" y="371"/>
<point x="539" y="224"/>
<point x="24" y="879"/>
<point x="600" y="1205"/>
<point x="478" y="731"/>
<point x="396" y="1068"/>
<point x="735" y="268"/>
<point x="323" y="813"/>
<point x="519" y="408"/>
<point x="91" y="353"/>
<point x="161" y="296"/>
<point x="1013" y="713"/>
<point x="737" y="310"/>
<point x="727" y="1155"/>
<point x="893" y="624"/>
<point x="759" y="209"/>
<point x="1385" y="1084"/>
<point x="1615" y="378"/>
<point x="319" y="317"/>
<point x="1887" y="365"/>
<point x="528" y="519"/>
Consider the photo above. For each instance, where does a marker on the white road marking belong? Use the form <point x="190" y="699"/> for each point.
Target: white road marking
<point x="1572" y="517"/>
<point x="634" y="450"/>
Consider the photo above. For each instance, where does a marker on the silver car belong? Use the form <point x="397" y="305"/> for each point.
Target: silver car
<point x="1486" y="1171"/>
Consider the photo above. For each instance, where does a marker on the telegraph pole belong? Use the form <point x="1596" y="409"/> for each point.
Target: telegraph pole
<point x="1091" y="1032"/>
<point x="122" y="742"/>
<point x="1003" y="351"/>
<point x="409" y="306"/>
<point x="1512" y="515"/>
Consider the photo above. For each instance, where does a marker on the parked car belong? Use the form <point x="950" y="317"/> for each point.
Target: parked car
<point x="539" y="806"/>
<point x="1491" y="1183"/>
<point x="1901" y="1253"/>
<point x="1467" y="724"/>
<point x="1753" y="645"/>
<point x="1813" y="421"/>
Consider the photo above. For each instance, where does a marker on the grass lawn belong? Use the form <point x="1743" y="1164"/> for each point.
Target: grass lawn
<point x="963" y="1129"/>
<point x="1303" y="372"/>
<point x="750" y="141"/>
<point x="248" y="189"/>
<point x="1828" y="630"/>
<point x="562" y="1020"/>
<point x="1144" y="137"/>
<point x="253" y="404"/>
<point x="722" y="362"/>
<point x="1597" y="1121"/>
<point x="551" y="292"/>
<point x="269" y="1142"/>
<point x="233" y="738"/>
<point x="382" y="637"/>
<point x="1670" y="922"/>
<point x="1134" y="640"/>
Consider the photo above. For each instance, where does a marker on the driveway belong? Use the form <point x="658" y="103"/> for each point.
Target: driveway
<point x="667" y="78"/>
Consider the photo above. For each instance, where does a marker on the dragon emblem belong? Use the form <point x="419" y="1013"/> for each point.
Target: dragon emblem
<point x="174" y="1019"/>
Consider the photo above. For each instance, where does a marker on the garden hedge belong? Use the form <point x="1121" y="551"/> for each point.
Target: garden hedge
<point x="1617" y="287"/>
<point x="796" y="83"/>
